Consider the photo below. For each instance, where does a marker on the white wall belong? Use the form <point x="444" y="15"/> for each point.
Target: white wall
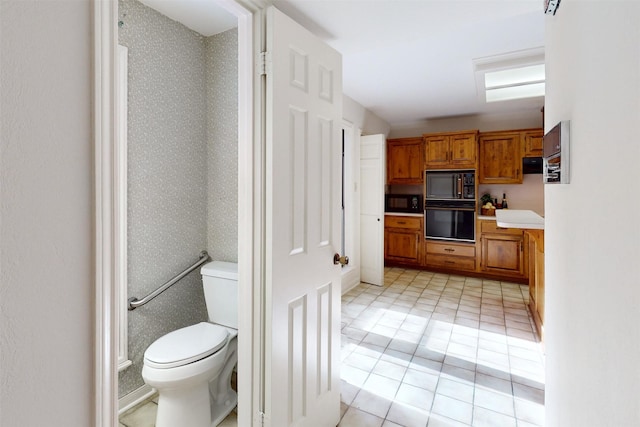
<point x="46" y="280"/>
<point x="483" y="122"/>
<point x="362" y="118"/>
<point x="592" y="242"/>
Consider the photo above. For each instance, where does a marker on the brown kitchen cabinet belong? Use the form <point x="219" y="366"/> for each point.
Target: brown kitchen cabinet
<point x="405" y="161"/>
<point x="449" y="255"/>
<point x="502" y="250"/>
<point x="403" y="239"/>
<point x="532" y="142"/>
<point x="500" y="158"/>
<point x="536" y="278"/>
<point x="451" y="150"/>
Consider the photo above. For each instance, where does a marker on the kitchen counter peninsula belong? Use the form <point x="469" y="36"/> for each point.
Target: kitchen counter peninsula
<point x="533" y="225"/>
<point x="516" y="218"/>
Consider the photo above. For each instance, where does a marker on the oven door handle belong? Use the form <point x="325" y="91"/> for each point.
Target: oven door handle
<point x="450" y="209"/>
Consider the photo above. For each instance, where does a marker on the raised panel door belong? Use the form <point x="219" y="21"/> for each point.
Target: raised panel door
<point x="503" y="254"/>
<point x="500" y="158"/>
<point x="405" y="161"/>
<point x="532" y="141"/>
<point x="436" y="151"/>
<point x="463" y="149"/>
<point x="302" y="286"/>
<point x="403" y="246"/>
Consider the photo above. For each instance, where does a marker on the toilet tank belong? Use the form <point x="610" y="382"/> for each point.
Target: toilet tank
<point x="220" y="282"/>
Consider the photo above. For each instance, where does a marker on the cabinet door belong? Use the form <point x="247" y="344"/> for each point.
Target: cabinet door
<point x="405" y="161"/>
<point x="503" y="254"/>
<point x="532" y="142"/>
<point x="402" y="246"/>
<point x="436" y="151"/>
<point x="500" y="158"/>
<point x="463" y="149"/>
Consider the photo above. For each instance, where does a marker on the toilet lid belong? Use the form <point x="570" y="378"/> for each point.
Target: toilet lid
<point x="186" y="345"/>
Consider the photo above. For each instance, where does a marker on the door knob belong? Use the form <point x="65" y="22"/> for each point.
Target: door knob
<point x="342" y="260"/>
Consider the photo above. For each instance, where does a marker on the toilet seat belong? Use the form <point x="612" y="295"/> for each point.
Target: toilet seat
<point x="186" y="345"/>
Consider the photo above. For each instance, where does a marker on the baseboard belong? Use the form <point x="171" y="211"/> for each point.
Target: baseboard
<point x="350" y="279"/>
<point x="134" y="398"/>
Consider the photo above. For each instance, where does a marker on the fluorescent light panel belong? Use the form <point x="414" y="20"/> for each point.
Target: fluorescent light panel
<point x="507" y="93"/>
<point x="515" y="83"/>
<point x="514" y="76"/>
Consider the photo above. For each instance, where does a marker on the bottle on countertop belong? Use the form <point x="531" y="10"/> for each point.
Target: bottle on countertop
<point x="504" y="201"/>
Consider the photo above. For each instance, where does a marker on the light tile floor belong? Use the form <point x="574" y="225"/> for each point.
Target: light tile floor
<point x="432" y="350"/>
<point x="144" y="415"/>
<point x="435" y="350"/>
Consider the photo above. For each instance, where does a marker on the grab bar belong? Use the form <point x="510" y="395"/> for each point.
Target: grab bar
<point x="135" y="302"/>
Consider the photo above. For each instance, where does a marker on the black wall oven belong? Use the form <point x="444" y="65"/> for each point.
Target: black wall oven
<point x="450" y="220"/>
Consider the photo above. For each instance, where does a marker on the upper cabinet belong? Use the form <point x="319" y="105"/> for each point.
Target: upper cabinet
<point x="451" y="150"/>
<point x="532" y="142"/>
<point x="500" y="158"/>
<point x="405" y="161"/>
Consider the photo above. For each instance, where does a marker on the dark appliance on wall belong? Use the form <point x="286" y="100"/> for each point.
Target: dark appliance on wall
<point x="450" y="185"/>
<point x="450" y="205"/>
<point x="445" y="220"/>
<point x="556" y="154"/>
<point x="403" y="203"/>
<point x="532" y="165"/>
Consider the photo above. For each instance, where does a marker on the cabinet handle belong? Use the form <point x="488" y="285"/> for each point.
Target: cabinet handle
<point x="449" y="250"/>
<point x="401" y="222"/>
<point x="449" y="262"/>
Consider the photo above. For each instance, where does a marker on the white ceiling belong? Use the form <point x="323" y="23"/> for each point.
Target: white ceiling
<point x="412" y="60"/>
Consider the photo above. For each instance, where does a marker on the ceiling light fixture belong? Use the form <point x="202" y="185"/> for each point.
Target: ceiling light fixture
<point x="515" y="75"/>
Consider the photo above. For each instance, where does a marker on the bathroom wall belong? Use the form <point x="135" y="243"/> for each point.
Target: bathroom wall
<point x="222" y="145"/>
<point x="167" y="175"/>
<point x="47" y="274"/>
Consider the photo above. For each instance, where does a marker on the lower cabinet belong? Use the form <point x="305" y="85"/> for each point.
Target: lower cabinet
<point x="502" y="250"/>
<point x="501" y="253"/>
<point x="403" y="239"/>
<point x="455" y="256"/>
<point x="536" y="278"/>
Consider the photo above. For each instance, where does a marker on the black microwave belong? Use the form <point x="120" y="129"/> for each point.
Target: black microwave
<point x="404" y="203"/>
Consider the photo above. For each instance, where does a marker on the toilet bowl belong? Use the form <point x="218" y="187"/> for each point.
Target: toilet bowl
<point x="191" y="367"/>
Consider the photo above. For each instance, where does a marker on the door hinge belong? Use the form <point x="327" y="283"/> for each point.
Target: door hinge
<point x="261" y="419"/>
<point x="263" y="63"/>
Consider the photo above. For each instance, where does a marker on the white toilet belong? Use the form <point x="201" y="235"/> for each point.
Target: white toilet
<point x="191" y="368"/>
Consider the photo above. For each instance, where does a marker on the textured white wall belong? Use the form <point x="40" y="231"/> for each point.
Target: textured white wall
<point x="46" y="281"/>
<point x="362" y="118"/>
<point x="592" y="233"/>
<point x="483" y="122"/>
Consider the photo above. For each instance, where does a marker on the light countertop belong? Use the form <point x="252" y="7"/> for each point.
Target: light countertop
<point x="487" y="217"/>
<point x="515" y="218"/>
<point x="404" y="214"/>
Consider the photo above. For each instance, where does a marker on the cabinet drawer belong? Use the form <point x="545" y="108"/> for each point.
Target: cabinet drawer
<point x="492" y="227"/>
<point x="451" y="262"/>
<point x="451" y="249"/>
<point x="407" y="222"/>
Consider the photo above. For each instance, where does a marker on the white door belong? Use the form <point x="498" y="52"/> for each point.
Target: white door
<point x="303" y="175"/>
<point x="372" y="180"/>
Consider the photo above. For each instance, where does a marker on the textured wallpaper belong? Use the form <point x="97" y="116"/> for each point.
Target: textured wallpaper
<point x="177" y="184"/>
<point x="222" y="145"/>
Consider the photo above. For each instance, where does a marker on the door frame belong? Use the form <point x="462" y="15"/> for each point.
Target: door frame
<point x="251" y="41"/>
